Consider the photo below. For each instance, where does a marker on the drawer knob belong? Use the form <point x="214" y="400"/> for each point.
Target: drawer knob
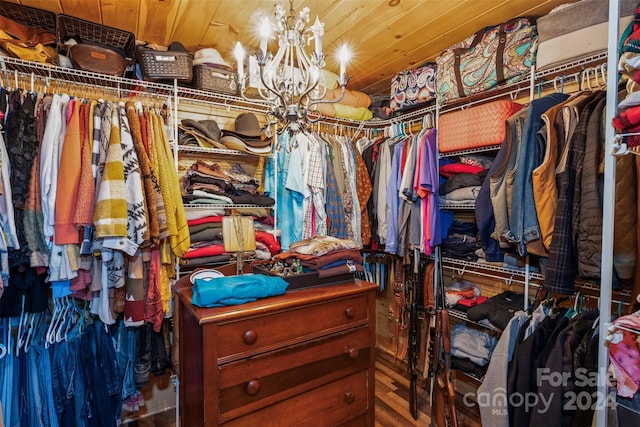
<point x="353" y="352"/>
<point x="253" y="387"/>
<point x="349" y="397"/>
<point x="350" y="312"/>
<point x="250" y="337"/>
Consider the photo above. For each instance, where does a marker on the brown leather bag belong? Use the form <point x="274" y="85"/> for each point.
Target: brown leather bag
<point x="23" y="34"/>
<point x="30" y="44"/>
<point x="97" y="59"/>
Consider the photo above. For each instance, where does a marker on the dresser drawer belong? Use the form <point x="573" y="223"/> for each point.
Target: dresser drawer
<point x="254" y="383"/>
<point x="331" y="404"/>
<point x="263" y="333"/>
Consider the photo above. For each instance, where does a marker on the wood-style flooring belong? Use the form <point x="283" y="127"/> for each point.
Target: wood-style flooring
<point x="391" y="406"/>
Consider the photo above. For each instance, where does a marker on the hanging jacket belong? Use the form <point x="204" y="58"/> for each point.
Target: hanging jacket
<point x="589" y="233"/>
<point x="560" y="272"/>
<point x="625" y="218"/>
<point x="523" y="222"/>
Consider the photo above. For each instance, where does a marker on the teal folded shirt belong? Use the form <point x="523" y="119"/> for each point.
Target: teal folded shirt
<point x="234" y="290"/>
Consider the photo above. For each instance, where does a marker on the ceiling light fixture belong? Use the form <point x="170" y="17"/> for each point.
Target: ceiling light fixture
<point x="289" y="81"/>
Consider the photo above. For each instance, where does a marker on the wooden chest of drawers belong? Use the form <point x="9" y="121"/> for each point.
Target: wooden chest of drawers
<point x="303" y="358"/>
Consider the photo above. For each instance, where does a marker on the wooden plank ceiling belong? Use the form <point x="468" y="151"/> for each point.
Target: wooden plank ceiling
<point x="385" y="36"/>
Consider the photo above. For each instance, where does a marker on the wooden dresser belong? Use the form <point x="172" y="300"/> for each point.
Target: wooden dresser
<point x="302" y="358"/>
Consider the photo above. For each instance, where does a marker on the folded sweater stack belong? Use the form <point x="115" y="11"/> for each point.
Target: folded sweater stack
<point x="326" y="255"/>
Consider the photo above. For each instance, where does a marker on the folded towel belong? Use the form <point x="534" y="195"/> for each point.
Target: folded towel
<point x="233" y="290"/>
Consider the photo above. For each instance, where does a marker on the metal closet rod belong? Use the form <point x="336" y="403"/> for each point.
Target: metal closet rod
<point x="38" y="83"/>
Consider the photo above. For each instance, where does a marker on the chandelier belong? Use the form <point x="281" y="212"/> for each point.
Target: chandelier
<point x="290" y="79"/>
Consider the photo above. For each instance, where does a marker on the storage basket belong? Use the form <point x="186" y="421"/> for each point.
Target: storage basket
<point x="29" y="16"/>
<point x="158" y="65"/>
<point x="214" y="79"/>
<point x="91" y="32"/>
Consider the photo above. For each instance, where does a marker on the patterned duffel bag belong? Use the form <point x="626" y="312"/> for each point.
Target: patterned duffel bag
<point x="413" y="88"/>
<point x="492" y="56"/>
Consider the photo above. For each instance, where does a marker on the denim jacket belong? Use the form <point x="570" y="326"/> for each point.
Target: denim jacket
<point x="523" y="223"/>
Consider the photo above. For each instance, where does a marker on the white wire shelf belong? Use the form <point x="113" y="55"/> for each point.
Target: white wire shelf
<point x="598" y="57"/>
<point x="225" y="207"/>
<point x="514" y="89"/>
<point x="124" y="87"/>
<point x="463" y="266"/>
<point x="450" y="206"/>
<point x="470" y="151"/>
<point x="13" y="69"/>
<point x="510" y="276"/>
<point x="194" y="149"/>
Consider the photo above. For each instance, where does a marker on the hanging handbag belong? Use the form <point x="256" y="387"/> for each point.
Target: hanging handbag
<point x="413" y="88"/>
<point x="492" y="56"/>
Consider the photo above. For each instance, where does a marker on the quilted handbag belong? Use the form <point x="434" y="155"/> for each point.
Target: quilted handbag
<point x="492" y="56"/>
<point x="475" y="127"/>
<point x="413" y="88"/>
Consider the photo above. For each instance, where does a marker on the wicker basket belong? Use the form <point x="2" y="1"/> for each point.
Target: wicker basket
<point x="214" y="79"/>
<point x="158" y="65"/>
<point x="87" y="31"/>
<point x="29" y="16"/>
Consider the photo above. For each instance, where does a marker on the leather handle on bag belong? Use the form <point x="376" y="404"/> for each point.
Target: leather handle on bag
<point x="502" y="41"/>
<point x="456" y="70"/>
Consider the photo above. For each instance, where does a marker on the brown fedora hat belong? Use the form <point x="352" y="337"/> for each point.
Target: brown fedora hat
<point x="246" y="126"/>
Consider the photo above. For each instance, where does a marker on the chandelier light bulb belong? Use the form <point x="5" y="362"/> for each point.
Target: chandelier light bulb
<point x="265" y="30"/>
<point x="318" y="32"/>
<point x="343" y="56"/>
<point x="238" y="52"/>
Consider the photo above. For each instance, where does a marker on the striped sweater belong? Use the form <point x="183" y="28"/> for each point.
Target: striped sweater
<point x="110" y="211"/>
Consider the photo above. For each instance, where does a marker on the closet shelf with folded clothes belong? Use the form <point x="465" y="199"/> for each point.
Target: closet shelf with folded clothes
<point x="461" y="315"/>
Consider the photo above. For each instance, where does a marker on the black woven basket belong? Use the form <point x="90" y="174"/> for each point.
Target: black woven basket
<point x="91" y="32"/>
<point x="159" y="65"/>
<point x="214" y="79"/>
<point x="29" y="16"/>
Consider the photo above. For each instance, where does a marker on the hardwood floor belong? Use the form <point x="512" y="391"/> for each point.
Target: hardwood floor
<point x="391" y="406"/>
<point x="392" y="397"/>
